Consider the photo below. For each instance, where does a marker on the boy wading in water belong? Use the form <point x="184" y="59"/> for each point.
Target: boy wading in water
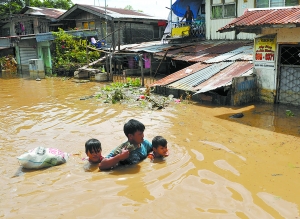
<point x="134" y="150"/>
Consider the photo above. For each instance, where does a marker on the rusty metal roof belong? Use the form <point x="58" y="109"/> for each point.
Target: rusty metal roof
<point x="203" y="58"/>
<point x="204" y="50"/>
<point x="180" y="74"/>
<point x="48" y="12"/>
<point x="264" y="16"/>
<point x="217" y="62"/>
<point x="228" y="55"/>
<point x="193" y="80"/>
<point x="109" y="13"/>
<point x="224" y="77"/>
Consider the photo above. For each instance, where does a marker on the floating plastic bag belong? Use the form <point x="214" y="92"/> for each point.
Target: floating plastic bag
<point x="41" y="157"/>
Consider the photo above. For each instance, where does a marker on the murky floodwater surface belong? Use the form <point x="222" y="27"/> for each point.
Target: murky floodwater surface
<point x="219" y="167"/>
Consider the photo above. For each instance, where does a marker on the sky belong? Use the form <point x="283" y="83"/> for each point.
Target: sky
<point x="155" y="8"/>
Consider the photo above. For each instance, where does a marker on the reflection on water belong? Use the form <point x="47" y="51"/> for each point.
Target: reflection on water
<point x="271" y="117"/>
<point x="218" y="167"/>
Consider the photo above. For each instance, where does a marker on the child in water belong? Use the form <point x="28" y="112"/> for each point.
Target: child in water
<point x="160" y="148"/>
<point x="93" y="150"/>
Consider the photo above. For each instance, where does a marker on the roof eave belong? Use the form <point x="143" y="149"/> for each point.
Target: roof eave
<point x="242" y="29"/>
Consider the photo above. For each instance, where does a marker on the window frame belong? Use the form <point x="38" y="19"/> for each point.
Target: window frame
<point x="222" y="5"/>
<point x="269" y="4"/>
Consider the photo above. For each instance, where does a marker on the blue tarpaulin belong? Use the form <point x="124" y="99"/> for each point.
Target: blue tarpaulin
<point x="179" y="7"/>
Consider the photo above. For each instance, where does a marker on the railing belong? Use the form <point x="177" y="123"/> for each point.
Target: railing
<point x="197" y="28"/>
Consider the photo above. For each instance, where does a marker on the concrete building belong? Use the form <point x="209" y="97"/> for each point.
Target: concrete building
<point x="276" y="51"/>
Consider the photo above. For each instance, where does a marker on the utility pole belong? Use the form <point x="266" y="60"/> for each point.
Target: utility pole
<point x="171" y="11"/>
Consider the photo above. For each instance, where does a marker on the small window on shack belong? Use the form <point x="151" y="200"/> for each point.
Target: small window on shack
<point x="275" y="3"/>
<point x="223" y="9"/>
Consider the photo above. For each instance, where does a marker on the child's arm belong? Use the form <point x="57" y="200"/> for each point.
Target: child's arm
<point x="110" y="162"/>
<point x="151" y="156"/>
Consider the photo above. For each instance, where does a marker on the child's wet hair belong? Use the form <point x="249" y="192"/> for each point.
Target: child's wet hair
<point x="132" y="126"/>
<point x="159" y="141"/>
<point x="93" y="145"/>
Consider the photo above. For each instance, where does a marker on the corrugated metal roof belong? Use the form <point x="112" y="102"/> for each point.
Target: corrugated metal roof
<point x="180" y="74"/>
<point x="151" y="47"/>
<point x="191" y="81"/>
<point x="224" y="77"/>
<point x="190" y="57"/>
<point x="115" y="11"/>
<point x="202" y="51"/>
<point x="241" y="57"/>
<point x="226" y="46"/>
<point x="48" y="12"/>
<point x="264" y="16"/>
<point x="109" y="13"/>
<point x="203" y="58"/>
<point x="226" y="56"/>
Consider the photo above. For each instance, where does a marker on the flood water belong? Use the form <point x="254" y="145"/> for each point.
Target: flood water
<point x="219" y="167"/>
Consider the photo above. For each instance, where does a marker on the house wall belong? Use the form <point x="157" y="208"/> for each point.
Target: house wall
<point x="25" y="50"/>
<point x="140" y="32"/>
<point x="284" y="35"/>
<point x="212" y="25"/>
<point x="267" y="78"/>
<point x="43" y="49"/>
<point x="85" y="17"/>
<point x="131" y="31"/>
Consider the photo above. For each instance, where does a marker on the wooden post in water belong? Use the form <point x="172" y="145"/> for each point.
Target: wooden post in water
<point x="142" y="68"/>
<point x="113" y="42"/>
<point x="87" y="52"/>
<point x="106" y="65"/>
<point x="110" y="65"/>
<point x="151" y="57"/>
<point x="161" y="62"/>
<point x="119" y="36"/>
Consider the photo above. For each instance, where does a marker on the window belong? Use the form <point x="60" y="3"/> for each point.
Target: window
<point x="88" y="25"/>
<point x="275" y="3"/>
<point x="223" y="9"/>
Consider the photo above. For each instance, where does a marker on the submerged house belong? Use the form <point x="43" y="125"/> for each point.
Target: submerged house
<point x="114" y="25"/>
<point x="271" y="28"/>
<point x="19" y="31"/>
<point x="276" y="50"/>
<point x="28" y="34"/>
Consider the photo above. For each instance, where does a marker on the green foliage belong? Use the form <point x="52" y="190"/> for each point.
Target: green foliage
<point x="107" y="88"/>
<point x="62" y="4"/>
<point x="117" y="96"/>
<point x="115" y="91"/>
<point x="15" y="6"/>
<point x="11" y="7"/>
<point x="8" y="63"/>
<point x="133" y="82"/>
<point x="289" y="113"/>
<point x="128" y="7"/>
<point x="70" y="52"/>
<point x="98" y="96"/>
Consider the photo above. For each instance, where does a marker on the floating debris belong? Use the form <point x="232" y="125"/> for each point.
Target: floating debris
<point x="88" y="97"/>
<point x="238" y="115"/>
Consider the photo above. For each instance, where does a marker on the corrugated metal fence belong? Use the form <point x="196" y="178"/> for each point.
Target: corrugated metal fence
<point x="244" y="90"/>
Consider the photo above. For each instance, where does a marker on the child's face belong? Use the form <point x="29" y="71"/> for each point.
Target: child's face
<point x="94" y="157"/>
<point x="136" y="138"/>
<point x="161" y="151"/>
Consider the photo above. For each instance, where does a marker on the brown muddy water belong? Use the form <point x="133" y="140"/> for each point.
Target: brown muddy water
<point x="218" y="167"/>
